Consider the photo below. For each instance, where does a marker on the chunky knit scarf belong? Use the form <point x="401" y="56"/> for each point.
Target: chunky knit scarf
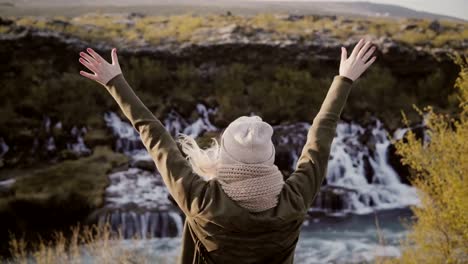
<point x="253" y="186"/>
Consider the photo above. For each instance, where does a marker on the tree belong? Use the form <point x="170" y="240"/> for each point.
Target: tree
<point x="439" y="169"/>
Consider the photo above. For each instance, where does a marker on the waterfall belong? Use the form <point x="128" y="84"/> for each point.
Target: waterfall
<point x="135" y="186"/>
<point x="76" y="143"/>
<point x="175" y="124"/>
<point x="137" y="204"/>
<point x="137" y="201"/>
<point x="128" y="140"/>
<point x="359" y="177"/>
<point x="144" y="224"/>
<point x="78" y="146"/>
<point x="364" y="169"/>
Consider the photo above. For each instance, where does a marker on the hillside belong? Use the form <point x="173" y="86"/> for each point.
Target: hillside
<point x="149" y="7"/>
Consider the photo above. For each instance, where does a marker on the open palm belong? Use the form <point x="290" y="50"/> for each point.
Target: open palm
<point x="103" y="71"/>
<point x="358" y="61"/>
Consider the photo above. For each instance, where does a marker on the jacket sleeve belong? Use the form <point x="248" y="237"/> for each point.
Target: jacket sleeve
<point x="311" y="167"/>
<point x="185" y="186"/>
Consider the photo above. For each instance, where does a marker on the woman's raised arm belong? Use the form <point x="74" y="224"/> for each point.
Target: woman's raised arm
<point x="311" y="168"/>
<point x="184" y="185"/>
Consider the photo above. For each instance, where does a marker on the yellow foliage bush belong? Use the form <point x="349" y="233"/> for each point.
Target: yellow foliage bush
<point x="440" y="167"/>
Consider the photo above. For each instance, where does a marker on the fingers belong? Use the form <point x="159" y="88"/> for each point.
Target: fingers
<point x="357" y="48"/>
<point x="363" y="50"/>
<point x="96" y="56"/>
<point x="88" y="58"/>
<point x="368" y="53"/>
<point x="367" y="64"/>
<point x="89" y="75"/>
<point x="88" y="65"/>
<point x="115" y="59"/>
<point x="343" y="54"/>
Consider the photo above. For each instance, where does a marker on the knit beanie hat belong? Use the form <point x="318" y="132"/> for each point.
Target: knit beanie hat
<point x="246" y="169"/>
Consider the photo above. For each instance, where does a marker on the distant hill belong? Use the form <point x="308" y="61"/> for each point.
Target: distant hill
<point x="358" y="8"/>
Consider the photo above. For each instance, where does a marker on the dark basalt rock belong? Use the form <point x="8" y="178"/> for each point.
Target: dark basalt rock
<point x="148" y="165"/>
<point x="283" y="158"/>
<point x="6" y="21"/>
<point x="395" y="161"/>
<point x="435" y="26"/>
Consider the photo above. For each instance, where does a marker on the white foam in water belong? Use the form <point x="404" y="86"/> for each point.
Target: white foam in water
<point x="128" y="138"/>
<point x="78" y="146"/>
<point x="50" y="145"/>
<point x="399" y="133"/>
<point x="139" y="187"/>
<point x="7" y="183"/>
<point x="58" y="125"/>
<point x="136" y="189"/>
<point x="317" y="251"/>
<point x="175" y="124"/>
<point x="3" y="147"/>
<point x="346" y="169"/>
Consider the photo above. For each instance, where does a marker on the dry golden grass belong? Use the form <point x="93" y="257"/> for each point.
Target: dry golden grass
<point x="184" y="27"/>
<point x="97" y="242"/>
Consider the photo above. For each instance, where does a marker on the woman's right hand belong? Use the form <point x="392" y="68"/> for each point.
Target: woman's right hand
<point x="358" y="62"/>
<point x="103" y="71"/>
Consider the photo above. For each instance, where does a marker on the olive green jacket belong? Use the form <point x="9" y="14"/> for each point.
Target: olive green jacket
<point x="229" y="232"/>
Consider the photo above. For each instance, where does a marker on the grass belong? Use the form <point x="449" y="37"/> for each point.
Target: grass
<point x="184" y="27"/>
<point x="97" y="242"/>
<point x="57" y="196"/>
<point x="86" y="176"/>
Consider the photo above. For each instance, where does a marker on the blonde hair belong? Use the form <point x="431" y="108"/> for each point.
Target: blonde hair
<point x="204" y="161"/>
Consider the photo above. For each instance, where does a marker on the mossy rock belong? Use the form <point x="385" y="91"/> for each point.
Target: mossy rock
<point x="57" y="196"/>
<point x="97" y="137"/>
<point x="68" y="154"/>
<point x="148" y="165"/>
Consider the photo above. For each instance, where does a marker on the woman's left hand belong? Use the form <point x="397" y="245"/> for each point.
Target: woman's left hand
<point x="103" y="71"/>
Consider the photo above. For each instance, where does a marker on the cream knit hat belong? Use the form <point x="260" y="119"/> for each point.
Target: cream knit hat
<point x="246" y="167"/>
<point x="247" y="140"/>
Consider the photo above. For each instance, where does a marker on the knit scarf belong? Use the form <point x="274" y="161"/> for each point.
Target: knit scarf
<point x="253" y="186"/>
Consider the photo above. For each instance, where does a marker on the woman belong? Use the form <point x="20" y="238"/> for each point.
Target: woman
<point x="238" y="207"/>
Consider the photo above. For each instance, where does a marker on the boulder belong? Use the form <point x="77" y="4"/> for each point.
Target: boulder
<point x="408" y="26"/>
<point x="435" y="26"/>
<point x="147" y="165"/>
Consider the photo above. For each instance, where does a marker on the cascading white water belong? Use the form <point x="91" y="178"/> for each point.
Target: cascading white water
<point x="76" y="145"/>
<point x="359" y="179"/>
<point x="144" y="224"/>
<point x="138" y="205"/>
<point x="175" y="124"/>
<point x="382" y="189"/>
<point x="138" y="190"/>
<point x="128" y="140"/>
<point x="139" y="187"/>
<point x="374" y="187"/>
